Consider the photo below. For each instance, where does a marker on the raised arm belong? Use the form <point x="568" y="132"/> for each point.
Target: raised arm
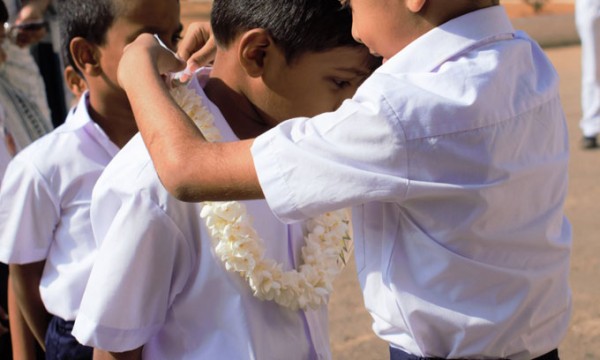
<point x="190" y="168"/>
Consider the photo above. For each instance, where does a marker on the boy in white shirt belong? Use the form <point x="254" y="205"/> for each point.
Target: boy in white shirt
<point x="45" y="232"/>
<point x="156" y="260"/>
<point x="454" y="155"/>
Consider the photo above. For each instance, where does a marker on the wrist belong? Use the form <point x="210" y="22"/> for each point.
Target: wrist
<point x="135" y="65"/>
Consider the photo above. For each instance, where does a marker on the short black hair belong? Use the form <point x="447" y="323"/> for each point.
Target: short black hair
<point x="3" y="13"/>
<point x="297" y="26"/>
<point x="89" y="19"/>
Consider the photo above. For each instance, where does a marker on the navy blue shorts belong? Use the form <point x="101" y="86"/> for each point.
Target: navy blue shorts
<point x="61" y="345"/>
<point x="397" y="354"/>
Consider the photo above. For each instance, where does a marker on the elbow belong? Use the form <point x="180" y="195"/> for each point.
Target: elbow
<point x="184" y="192"/>
<point x="177" y="177"/>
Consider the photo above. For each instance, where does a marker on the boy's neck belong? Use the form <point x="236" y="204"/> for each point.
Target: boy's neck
<point x="446" y="11"/>
<point x="241" y="115"/>
<point x="114" y="117"/>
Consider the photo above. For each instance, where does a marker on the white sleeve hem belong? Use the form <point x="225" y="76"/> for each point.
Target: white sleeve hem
<point x="90" y="333"/>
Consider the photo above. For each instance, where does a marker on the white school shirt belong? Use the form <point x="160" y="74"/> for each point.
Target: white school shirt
<point x="44" y="207"/>
<point x="454" y="154"/>
<point x="156" y="281"/>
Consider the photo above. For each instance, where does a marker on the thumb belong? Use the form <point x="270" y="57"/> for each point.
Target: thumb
<point x="169" y="63"/>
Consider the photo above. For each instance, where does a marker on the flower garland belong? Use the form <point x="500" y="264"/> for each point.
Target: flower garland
<point x="239" y="247"/>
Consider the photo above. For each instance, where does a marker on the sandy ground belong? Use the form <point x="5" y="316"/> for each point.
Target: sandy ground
<point x="350" y="325"/>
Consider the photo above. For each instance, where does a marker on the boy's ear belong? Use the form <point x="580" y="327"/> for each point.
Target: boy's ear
<point x="254" y="47"/>
<point x="85" y="56"/>
<point x="415" y="5"/>
<point x="74" y="82"/>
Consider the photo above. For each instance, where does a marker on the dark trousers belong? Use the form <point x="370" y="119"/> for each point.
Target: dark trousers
<point x="397" y="354"/>
<point x="61" y="345"/>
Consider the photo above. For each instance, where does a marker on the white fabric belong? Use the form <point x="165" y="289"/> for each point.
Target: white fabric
<point x="587" y="16"/>
<point x="44" y="207"/>
<point x="455" y="154"/>
<point x="156" y="262"/>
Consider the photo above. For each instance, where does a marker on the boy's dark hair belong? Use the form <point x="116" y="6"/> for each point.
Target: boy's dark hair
<point x="297" y="26"/>
<point x="89" y="19"/>
<point x="3" y="13"/>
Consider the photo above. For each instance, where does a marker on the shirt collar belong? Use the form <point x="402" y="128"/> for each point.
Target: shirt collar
<point x="79" y="117"/>
<point x="432" y="49"/>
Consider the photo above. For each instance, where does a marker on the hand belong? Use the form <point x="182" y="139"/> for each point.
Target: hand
<point x="32" y="12"/>
<point x="198" y="46"/>
<point x="146" y="54"/>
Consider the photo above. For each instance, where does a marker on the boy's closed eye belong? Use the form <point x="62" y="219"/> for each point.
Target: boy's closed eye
<point x="170" y="39"/>
<point x="340" y="83"/>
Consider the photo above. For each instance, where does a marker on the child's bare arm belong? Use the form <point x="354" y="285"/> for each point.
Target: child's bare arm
<point x="127" y="355"/>
<point x="25" y="281"/>
<point x="189" y="167"/>
<point x="22" y="340"/>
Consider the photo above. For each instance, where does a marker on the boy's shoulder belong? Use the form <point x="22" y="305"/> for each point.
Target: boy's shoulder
<point x="130" y="166"/>
<point x="131" y="173"/>
<point x="59" y="147"/>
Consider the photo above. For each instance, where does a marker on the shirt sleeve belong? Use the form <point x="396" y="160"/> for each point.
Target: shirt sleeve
<point x="29" y="214"/>
<point x="142" y="264"/>
<point x="338" y="159"/>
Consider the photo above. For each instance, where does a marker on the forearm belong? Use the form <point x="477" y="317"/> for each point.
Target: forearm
<point x="128" y="355"/>
<point x="22" y="340"/>
<point x="189" y="167"/>
<point x="25" y="284"/>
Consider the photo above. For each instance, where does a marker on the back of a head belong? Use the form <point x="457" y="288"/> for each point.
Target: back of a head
<point x="88" y="19"/>
<point x="297" y="26"/>
<point x="3" y="13"/>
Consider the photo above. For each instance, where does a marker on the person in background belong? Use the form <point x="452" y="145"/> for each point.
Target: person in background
<point x="22" y="89"/>
<point x="587" y="19"/>
<point x="5" y="156"/>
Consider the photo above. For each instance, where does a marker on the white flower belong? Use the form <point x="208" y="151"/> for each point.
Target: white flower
<point x="238" y="246"/>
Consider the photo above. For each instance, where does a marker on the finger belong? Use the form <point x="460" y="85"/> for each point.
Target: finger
<point x="203" y="57"/>
<point x="168" y="61"/>
<point x="196" y="36"/>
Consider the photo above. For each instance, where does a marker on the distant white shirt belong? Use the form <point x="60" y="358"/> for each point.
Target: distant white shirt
<point x="454" y="154"/>
<point x="44" y="207"/>
<point x="156" y="281"/>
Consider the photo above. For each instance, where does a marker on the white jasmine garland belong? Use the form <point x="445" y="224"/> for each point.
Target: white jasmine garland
<point x="239" y="247"/>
